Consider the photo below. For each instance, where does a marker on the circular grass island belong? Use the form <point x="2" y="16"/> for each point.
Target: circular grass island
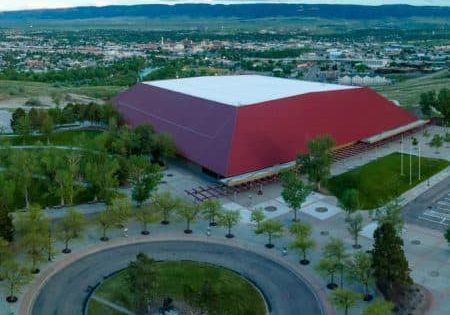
<point x="184" y="287"/>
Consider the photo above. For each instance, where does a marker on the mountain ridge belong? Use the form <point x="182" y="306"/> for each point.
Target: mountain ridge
<point x="244" y="11"/>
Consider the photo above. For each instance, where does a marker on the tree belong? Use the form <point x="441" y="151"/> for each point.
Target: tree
<point x="7" y="190"/>
<point x="142" y="139"/>
<point x="427" y="102"/>
<point x="257" y="216"/>
<point x="144" y="176"/>
<point x="142" y="282"/>
<point x="47" y="127"/>
<point x="344" y="299"/>
<point x="16" y="116"/>
<point x="327" y="267"/>
<point x="318" y="161"/>
<point x="5" y="254"/>
<point x="73" y="169"/>
<point x="189" y="212"/>
<point x="379" y="307"/>
<point x="101" y="174"/>
<point x="391" y="213"/>
<point x="64" y="185"/>
<point x="436" y="142"/>
<point x="229" y="219"/>
<point x="443" y="104"/>
<point x="390" y="266"/>
<point x="23" y="166"/>
<point x="354" y="227"/>
<point x="447" y="139"/>
<point x="163" y="148"/>
<point x="360" y="270"/>
<point x="272" y="228"/>
<point x="294" y="192"/>
<point x="15" y="277"/>
<point x="24" y="128"/>
<point x="349" y="201"/>
<point x="165" y="204"/>
<point x="105" y="220"/>
<point x="116" y="214"/>
<point x="70" y="227"/>
<point x="32" y="228"/>
<point x="211" y="209"/>
<point x="49" y="246"/>
<point x="447" y="235"/>
<point x="303" y="241"/>
<point x="145" y="215"/>
<point x="335" y="249"/>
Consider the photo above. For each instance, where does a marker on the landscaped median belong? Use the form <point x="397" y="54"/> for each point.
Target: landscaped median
<point x="381" y="180"/>
<point x="191" y="285"/>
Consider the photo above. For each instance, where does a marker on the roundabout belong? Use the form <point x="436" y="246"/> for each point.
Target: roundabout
<point x="66" y="287"/>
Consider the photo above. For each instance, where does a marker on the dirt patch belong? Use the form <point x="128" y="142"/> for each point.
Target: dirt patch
<point x="416" y="300"/>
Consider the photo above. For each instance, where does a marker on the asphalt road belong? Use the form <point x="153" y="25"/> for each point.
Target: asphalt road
<point x="414" y="210"/>
<point x="66" y="292"/>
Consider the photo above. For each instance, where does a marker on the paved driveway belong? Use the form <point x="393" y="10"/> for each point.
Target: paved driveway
<point x="66" y="292"/>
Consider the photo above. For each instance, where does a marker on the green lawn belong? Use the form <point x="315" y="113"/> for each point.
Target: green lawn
<point x="380" y="180"/>
<point x="235" y="295"/>
<point x="58" y="138"/>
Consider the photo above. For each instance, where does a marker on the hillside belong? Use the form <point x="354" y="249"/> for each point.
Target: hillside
<point x="408" y="92"/>
<point x="243" y="11"/>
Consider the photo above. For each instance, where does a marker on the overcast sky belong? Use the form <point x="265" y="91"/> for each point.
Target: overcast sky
<point x="6" y="5"/>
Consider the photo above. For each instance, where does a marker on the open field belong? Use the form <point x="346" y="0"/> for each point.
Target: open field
<point x="15" y="93"/>
<point x="408" y="92"/>
<point x="230" y="293"/>
<point x="380" y="181"/>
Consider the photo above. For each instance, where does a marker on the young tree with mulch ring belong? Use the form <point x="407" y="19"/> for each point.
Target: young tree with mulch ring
<point x="344" y="299"/>
<point x="70" y="227"/>
<point x="303" y="242"/>
<point x="272" y="228"/>
<point x="211" y="209"/>
<point x="229" y="219"/>
<point x="15" y="277"/>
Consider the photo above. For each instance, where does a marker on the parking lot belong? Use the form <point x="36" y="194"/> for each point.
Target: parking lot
<point x="432" y="208"/>
<point x="439" y="212"/>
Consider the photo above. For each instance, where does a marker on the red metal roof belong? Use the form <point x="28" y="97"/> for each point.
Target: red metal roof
<point x="274" y="132"/>
<point x="233" y="140"/>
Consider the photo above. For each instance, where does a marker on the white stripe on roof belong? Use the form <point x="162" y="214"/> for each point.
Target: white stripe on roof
<point x="238" y="90"/>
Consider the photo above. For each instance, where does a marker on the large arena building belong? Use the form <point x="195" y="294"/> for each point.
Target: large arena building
<point x="236" y="125"/>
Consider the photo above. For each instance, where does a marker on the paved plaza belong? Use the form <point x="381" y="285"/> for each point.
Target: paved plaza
<point x="425" y="247"/>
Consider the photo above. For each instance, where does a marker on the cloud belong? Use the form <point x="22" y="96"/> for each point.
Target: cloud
<point x="6" y="5"/>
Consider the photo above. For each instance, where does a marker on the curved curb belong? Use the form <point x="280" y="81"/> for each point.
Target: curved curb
<point x="28" y="299"/>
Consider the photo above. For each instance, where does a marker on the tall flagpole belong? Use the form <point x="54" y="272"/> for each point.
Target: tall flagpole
<point x="410" y="163"/>
<point x="420" y="177"/>
<point x="401" y="157"/>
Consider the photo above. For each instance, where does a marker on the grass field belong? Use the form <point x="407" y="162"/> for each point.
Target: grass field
<point x="235" y="295"/>
<point x="407" y="92"/>
<point x="68" y="138"/>
<point x="34" y="89"/>
<point x="380" y="181"/>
